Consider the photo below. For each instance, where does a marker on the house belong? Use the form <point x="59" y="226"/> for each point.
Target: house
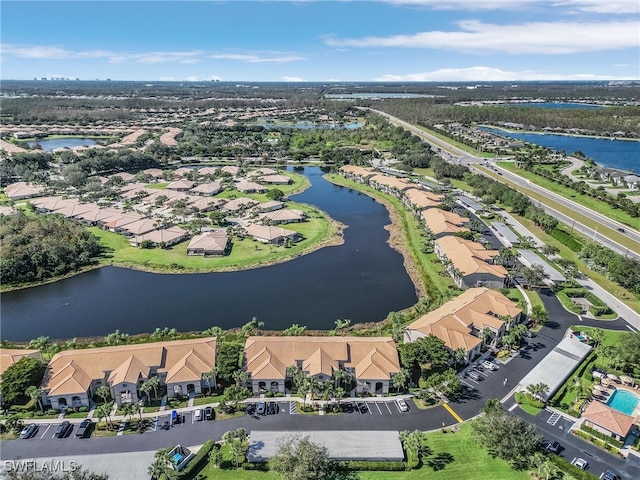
<point x="10" y="148"/>
<point x="126" y="177"/>
<point x="182" y="172"/>
<point x="632" y="181"/>
<point x="269" y="206"/>
<point x="460" y="322"/>
<point x="208" y="189"/>
<point x="21" y="190"/>
<point x="258" y="172"/>
<point x="356" y="173"/>
<point x="270" y="234"/>
<point x="391" y="185"/>
<point x="231" y="170"/>
<point x="139" y="227"/>
<point x="443" y="222"/>
<point x="181" y="185"/>
<point x="211" y="171"/>
<point x="371" y="360"/>
<point x="284" y="215"/>
<point x="204" y="204"/>
<point x="238" y="204"/>
<point x="154" y="173"/>
<point x="211" y="243"/>
<point x="607" y="420"/>
<point x="275" y="180"/>
<point x="164" y="237"/>
<point x="469" y="263"/>
<point x="9" y="356"/>
<point x="72" y="376"/>
<point x="418" y="199"/>
<point x="246" y="186"/>
<point x="125" y="218"/>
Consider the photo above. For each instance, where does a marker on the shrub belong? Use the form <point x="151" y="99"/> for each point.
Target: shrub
<point x="196" y="463"/>
<point x="572" y="470"/>
<point x="260" y="466"/>
<point x="566" y="239"/>
<point x="602" y="436"/>
<point x="374" y="466"/>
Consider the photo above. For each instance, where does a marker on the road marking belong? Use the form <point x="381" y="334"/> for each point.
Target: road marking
<point x="632" y="329"/>
<point x="553" y="419"/>
<point x="45" y="432"/>
<point x="453" y="414"/>
<point x="389" y="408"/>
<point x="293" y="410"/>
<point x="513" y="407"/>
<point x="378" y="407"/>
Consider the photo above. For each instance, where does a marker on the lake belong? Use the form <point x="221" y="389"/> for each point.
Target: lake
<point x="363" y="280"/>
<point x="50" y="144"/>
<point x="620" y="154"/>
<point x="554" y="105"/>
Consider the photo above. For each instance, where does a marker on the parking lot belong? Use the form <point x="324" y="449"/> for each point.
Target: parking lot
<point x="477" y="373"/>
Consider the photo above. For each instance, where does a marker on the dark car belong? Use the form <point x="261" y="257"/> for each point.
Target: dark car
<point x="261" y="408"/>
<point x="251" y="408"/>
<point x="84" y="430"/>
<point x="554" y="447"/>
<point x="610" y="475"/>
<point x="272" y="408"/>
<point x="29" y="431"/>
<point x="209" y="413"/>
<point x="63" y="429"/>
<point x="621" y="230"/>
<point x="529" y="334"/>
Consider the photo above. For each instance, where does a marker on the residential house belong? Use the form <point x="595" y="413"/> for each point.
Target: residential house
<point x="469" y="263"/>
<point x="72" y="376"/>
<point x="270" y="234"/>
<point x="230" y="169"/>
<point x="211" y="171"/>
<point x="356" y="173"/>
<point x="246" y="186"/>
<point x="275" y="180"/>
<point x="371" y="360"/>
<point x="126" y="177"/>
<point x="418" y="199"/>
<point x="284" y="215"/>
<point x="259" y="172"/>
<point x="632" y="181"/>
<point x="388" y="184"/>
<point x="461" y="321"/>
<point x="21" y="190"/>
<point x="208" y="189"/>
<point x="213" y="243"/>
<point x="443" y="222"/>
<point x="269" y="206"/>
<point x="165" y="237"/>
<point x="155" y="173"/>
<point x="238" y="204"/>
<point x="181" y="185"/>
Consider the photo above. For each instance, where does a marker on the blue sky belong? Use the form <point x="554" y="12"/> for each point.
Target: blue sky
<point x="322" y="41"/>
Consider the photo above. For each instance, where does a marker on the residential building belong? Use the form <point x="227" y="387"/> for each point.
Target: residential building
<point x="271" y="234"/>
<point x="214" y="243"/>
<point x="164" y="237"/>
<point x="284" y="215"/>
<point x="607" y="420"/>
<point x="73" y="376"/>
<point x="21" y="190"/>
<point x="371" y="360"/>
<point x="418" y="199"/>
<point x="443" y="222"/>
<point x="462" y="321"/>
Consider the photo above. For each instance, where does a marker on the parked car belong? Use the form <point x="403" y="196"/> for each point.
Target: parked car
<point x="402" y="405"/>
<point x="84" y="429"/>
<point x="529" y="334"/>
<point x="580" y="463"/>
<point x="197" y="415"/>
<point x="474" y="375"/>
<point x="610" y="475"/>
<point x="251" y="408"/>
<point x="209" y="414"/>
<point x="63" y="429"/>
<point x="261" y="408"/>
<point x="272" y="408"/>
<point x="490" y="365"/>
<point x="29" y="431"/>
<point x="554" y="447"/>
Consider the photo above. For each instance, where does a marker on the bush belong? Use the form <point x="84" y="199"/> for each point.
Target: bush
<point x="572" y="470"/>
<point x="269" y="394"/>
<point x="602" y="436"/>
<point x="196" y="463"/>
<point x="374" y="466"/>
<point x="566" y="239"/>
<point x="260" y="466"/>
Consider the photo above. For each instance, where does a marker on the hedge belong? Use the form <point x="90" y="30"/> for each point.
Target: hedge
<point x="373" y="466"/>
<point x="602" y="436"/>
<point x="261" y="466"/>
<point x="572" y="470"/>
<point x="196" y="463"/>
<point x="566" y="239"/>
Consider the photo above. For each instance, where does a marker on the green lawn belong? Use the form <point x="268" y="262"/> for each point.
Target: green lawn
<point x="584" y="200"/>
<point x="157" y="186"/>
<point x="453" y="456"/>
<point x="245" y="253"/>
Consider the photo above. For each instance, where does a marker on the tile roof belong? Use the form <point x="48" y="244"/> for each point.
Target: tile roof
<point x="372" y="357"/>
<point x="608" y="418"/>
<point x="422" y="199"/>
<point x="469" y="257"/>
<point x="443" y="221"/>
<point x="9" y="356"/>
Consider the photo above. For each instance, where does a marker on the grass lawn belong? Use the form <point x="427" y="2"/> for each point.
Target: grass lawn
<point x="453" y="456"/>
<point x="454" y="142"/>
<point x="245" y="253"/>
<point x="157" y="186"/>
<point x="584" y="200"/>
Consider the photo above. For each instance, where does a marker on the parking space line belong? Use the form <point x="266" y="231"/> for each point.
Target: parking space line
<point x="378" y="407"/>
<point x="45" y="432"/>
<point x="389" y="408"/>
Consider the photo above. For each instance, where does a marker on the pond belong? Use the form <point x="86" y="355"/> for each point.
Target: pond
<point x="51" y="144"/>
<point x="362" y="280"/>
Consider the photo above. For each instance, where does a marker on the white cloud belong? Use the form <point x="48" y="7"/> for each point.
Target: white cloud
<point x="188" y="57"/>
<point x="257" y="59"/>
<point x="458" y="5"/>
<point x="528" y="38"/>
<point x="191" y="79"/>
<point x="292" y="79"/>
<point x="600" y="6"/>
<point x="484" y="74"/>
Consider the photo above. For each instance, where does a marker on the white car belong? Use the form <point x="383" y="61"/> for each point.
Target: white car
<point x="490" y="365"/>
<point x="197" y="415"/>
<point x="580" y="463"/>
<point x="402" y="405"/>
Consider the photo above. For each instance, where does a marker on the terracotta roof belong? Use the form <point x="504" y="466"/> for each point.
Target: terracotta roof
<point x="9" y="356"/>
<point x="238" y="203"/>
<point x="358" y="171"/>
<point x="215" y="241"/>
<point x="268" y="232"/>
<point x="608" y="418"/>
<point x="279" y="179"/>
<point x="165" y="235"/>
<point x="452" y="322"/>
<point x="230" y="169"/>
<point x="208" y="171"/>
<point x="154" y="172"/>
<point x="469" y="257"/>
<point x="422" y="199"/>
<point x="189" y="368"/>
<point x="245" y="185"/>
<point x="443" y="221"/>
<point x="22" y="189"/>
<point x="71" y="371"/>
<point x="283" y="215"/>
<point x="391" y="182"/>
<point x="263" y="171"/>
<point x="181" y="185"/>
<point x="211" y="187"/>
<point x="372" y="357"/>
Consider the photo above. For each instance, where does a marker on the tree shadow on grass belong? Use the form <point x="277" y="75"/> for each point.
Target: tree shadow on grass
<point x="440" y="461"/>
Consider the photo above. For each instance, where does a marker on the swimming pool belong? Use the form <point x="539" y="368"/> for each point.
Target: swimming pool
<point x="623" y="401"/>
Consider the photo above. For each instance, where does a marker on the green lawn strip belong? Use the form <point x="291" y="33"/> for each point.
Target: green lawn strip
<point x="245" y="253"/>
<point x="624" y="295"/>
<point x="531" y="410"/>
<point x="584" y="200"/>
<point x="515" y="295"/>
<point x="207" y="400"/>
<point x="455" y="143"/>
<point x="438" y="284"/>
<point x="534" y="298"/>
<point x="157" y="186"/>
<point x="468" y="460"/>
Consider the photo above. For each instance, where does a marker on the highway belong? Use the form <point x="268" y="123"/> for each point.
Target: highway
<point x="606" y="228"/>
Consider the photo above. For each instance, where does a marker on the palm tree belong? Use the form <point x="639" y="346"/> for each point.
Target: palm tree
<point x="103" y="392"/>
<point x="538" y="390"/>
<point x="252" y="327"/>
<point x="35" y="394"/>
<point x="40" y="343"/>
<point x="400" y="379"/>
<point x="487" y="335"/>
<point x="460" y="355"/>
<point x="241" y="377"/>
<point x="104" y="411"/>
<point x="210" y="375"/>
<point x="160" y="464"/>
<point x="314" y="386"/>
<point x="129" y="409"/>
